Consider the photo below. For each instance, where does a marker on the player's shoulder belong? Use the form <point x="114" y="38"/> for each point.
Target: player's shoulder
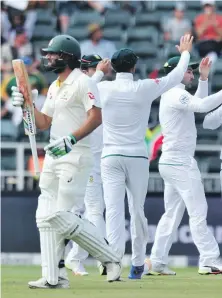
<point x="53" y="85"/>
<point x="83" y="80"/>
<point x="104" y="85"/>
<point x="173" y="93"/>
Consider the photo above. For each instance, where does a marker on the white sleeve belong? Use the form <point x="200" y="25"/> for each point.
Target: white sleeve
<point x="213" y="120"/>
<point x="188" y="102"/>
<point x="202" y="89"/>
<point x="97" y="77"/>
<point x="90" y="94"/>
<point x="154" y="88"/>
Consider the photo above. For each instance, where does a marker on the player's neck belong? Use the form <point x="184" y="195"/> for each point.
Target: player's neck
<point x="63" y="75"/>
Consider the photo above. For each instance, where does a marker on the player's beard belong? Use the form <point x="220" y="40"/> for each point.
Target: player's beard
<point x="56" y="66"/>
<point x="188" y="85"/>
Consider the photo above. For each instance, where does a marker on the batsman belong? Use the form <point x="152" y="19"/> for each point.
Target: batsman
<point x="72" y="111"/>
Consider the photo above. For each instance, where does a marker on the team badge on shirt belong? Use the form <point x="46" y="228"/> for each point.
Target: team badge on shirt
<point x="184" y="99"/>
<point x="91" y="179"/>
<point x="65" y="95"/>
<point x="91" y="96"/>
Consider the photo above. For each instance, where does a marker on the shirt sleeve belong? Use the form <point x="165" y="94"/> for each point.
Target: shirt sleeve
<point x="49" y="105"/>
<point x="154" y="88"/>
<point x="213" y="120"/>
<point x="202" y="89"/>
<point x="90" y="94"/>
<point x="186" y="101"/>
<point x="97" y="77"/>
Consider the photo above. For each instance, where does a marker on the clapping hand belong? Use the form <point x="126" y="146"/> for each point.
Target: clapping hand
<point x="186" y="43"/>
<point x="204" y="68"/>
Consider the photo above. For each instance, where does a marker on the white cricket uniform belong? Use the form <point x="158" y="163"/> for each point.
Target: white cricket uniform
<point x="63" y="181"/>
<point x="213" y="120"/>
<point x="124" y="165"/>
<point x="178" y="168"/>
<point x="94" y="201"/>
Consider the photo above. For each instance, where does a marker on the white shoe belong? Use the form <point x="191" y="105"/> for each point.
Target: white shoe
<point x="214" y="268"/>
<point x="156" y="268"/>
<point x="43" y="284"/>
<point x="113" y="271"/>
<point x="102" y="269"/>
<point x="77" y="268"/>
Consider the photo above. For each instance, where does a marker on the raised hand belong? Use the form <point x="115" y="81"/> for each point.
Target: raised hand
<point x="204" y="68"/>
<point x="104" y="66"/>
<point x="186" y="43"/>
<point x="18" y="98"/>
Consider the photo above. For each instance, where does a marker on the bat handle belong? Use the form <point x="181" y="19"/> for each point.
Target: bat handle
<point x="34" y="154"/>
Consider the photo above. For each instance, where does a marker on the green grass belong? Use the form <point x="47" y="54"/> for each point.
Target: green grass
<point x="186" y="284"/>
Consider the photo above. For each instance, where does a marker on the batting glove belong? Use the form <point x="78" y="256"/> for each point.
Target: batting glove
<point x="61" y="147"/>
<point x="18" y="99"/>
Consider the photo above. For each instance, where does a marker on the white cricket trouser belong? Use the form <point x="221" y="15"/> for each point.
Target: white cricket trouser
<point x="122" y="174"/>
<point x="63" y="182"/>
<point x="94" y="202"/>
<point x="183" y="189"/>
<point x="94" y="207"/>
<point x="65" y="179"/>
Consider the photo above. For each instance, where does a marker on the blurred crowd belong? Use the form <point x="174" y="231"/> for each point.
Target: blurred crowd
<point x="18" y="19"/>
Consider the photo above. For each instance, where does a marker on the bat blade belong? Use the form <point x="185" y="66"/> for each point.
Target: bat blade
<point x="23" y="84"/>
<point x="22" y="81"/>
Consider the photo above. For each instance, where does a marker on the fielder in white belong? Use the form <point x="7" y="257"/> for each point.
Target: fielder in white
<point x="179" y="170"/>
<point x="213" y="120"/>
<point x="72" y="111"/>
<point x="124" y="166"/>
<point x="96" y="68"/>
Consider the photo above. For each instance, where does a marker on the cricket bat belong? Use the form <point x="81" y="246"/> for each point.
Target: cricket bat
<point x="23" y="84"/>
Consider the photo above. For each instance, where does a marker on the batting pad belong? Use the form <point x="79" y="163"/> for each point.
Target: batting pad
<point x="48" y="240"/>
<point x="49" y="255"/>
<point x="83" y="233"/>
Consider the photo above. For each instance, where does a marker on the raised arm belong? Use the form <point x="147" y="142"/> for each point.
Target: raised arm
<point x="102" y="68"/>
<point x="213" y="120"/>
<point x="204" y="69"/>
<point x="155" y="88"/>
<point x="185" y="101"/>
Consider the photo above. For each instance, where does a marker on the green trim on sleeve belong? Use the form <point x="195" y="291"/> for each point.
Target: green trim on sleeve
<point x="125" y="156"/>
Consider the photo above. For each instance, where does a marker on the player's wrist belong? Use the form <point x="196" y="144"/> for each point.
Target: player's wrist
<point x="203" y="78"/>
<point x="72" y="139"/>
